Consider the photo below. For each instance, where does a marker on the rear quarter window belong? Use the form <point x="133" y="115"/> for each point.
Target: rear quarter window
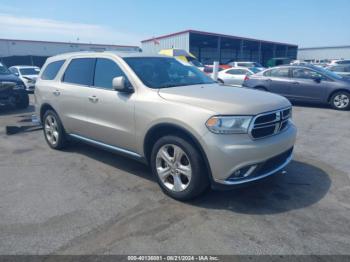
<point x="51" y="70"/>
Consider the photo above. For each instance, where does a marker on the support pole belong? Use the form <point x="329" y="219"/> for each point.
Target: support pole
<point x="215" y="70"/>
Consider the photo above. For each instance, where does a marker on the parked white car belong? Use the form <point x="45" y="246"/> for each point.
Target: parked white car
<point x="235" y="75"/>
<point x="28" y="74"/>
<point x="247" y="64"/>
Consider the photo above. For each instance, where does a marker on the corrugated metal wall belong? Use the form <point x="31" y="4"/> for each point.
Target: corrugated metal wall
<point x="23" y="48"/>
<point x="324" y="53"/>
<point x="17" y="52"/>
<point x="180" y="41"/>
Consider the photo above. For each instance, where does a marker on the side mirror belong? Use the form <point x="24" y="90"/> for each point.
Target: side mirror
<point x="318" y="79"/>
<point x="120" y="84"/>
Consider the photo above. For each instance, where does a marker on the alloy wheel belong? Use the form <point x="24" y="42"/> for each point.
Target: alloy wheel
<point x="341" y="101"/>
<point x="173" y="167"/>
<point x="51" y="130"/>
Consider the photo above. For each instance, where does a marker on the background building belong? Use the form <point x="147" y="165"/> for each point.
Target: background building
<point x="324" y="53"/>
<point x="209" y="47"/>
<point x="26" y="52"/>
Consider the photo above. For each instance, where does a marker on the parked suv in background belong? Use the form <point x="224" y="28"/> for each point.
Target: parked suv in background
<point x="28" y="75"/>
<point x="192" y="131"/>
<point x="305" y="83"/>
<point x="12" y="90"/>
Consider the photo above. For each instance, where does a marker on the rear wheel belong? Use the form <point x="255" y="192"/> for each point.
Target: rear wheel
<point x="179" y="168"/>
<point x="261" y="88"/>
<point x="340" y="100"/>
<point x="53" y="130"/>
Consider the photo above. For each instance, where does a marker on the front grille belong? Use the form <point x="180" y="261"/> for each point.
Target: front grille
<point x="269" y="124"/>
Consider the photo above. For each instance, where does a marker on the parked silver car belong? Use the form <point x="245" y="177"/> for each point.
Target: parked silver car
<point x="192" y="131"/>
<point x="305" y="83"/>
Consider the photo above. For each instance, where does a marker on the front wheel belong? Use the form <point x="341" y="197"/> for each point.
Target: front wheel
<point x="341" y="100"/>
<point x="179" y="168"/>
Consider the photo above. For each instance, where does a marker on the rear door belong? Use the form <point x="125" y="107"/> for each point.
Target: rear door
<point x="308" y="85"/>
<point x="73" y="95"/>
<point x="278" y="80"/>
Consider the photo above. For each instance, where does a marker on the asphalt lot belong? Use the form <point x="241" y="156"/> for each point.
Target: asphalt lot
<point x="88" y="201"/>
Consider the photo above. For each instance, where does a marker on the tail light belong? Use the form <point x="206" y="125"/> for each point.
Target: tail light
<point x="246" y="78"/>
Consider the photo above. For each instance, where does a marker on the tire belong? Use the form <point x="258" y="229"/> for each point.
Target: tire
<point x="260" y="88"/>
<point x="183" y="178"/>
<point x="22" y="101"/>
<point x="51" y="124"/>
<point x="340" y="100"/>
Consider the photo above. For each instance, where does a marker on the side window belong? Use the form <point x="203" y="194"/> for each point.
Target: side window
<point x="303" y="73"/>
<point x="105" y="71"/>
<point x="51" y="70"/>
<point x="80" y="71"/>
<point x="237" y="72"/>
<point x="267" y="73"/>
<point x="280" y="72"/>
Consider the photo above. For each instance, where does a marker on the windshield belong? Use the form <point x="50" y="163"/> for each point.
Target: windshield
<point x="255" y="70"/>
<point x="4" y="70"/>
<point x="29" y="71"/>
<point x="162" y="72"/>
<point x="194" y="62"/>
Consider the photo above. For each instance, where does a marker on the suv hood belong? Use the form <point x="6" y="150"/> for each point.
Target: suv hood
<point x="225" y="99"/>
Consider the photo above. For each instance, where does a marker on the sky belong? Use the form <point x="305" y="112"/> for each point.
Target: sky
<point x="307" y="23"/>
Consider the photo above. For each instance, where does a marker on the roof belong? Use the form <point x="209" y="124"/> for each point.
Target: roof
<point x="69" y="43"/>
<point x="212" y="34"/>
<point x="91" y="53"/>
<point x="24" y="66"/>
<point x="325" y="47"/>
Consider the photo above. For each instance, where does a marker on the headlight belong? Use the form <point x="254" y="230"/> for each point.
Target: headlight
<point x="229" y="124"/>
<point x="20" y="86"/>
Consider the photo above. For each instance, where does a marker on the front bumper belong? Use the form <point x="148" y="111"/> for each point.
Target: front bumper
<point x="229" y="154"/>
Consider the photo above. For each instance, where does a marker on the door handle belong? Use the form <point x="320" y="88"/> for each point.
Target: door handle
<point x="56" y="92"/>
<point x="93" y="99"/>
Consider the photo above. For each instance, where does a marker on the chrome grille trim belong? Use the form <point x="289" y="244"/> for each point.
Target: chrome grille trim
<point x="281" y="116"/>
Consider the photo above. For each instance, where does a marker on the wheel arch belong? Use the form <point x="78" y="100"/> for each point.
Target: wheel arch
<point x="160" y="130"/>
<point x="44" y="107"/>
<point x="260" y="87"/>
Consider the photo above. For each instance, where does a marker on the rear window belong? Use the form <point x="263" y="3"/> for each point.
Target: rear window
<point x="51" y="70"/>
<point x="80" y="71"/>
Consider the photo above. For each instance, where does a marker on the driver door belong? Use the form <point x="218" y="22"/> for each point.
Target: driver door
<point x="110" y="113"/>
<point x="308" y="85"/>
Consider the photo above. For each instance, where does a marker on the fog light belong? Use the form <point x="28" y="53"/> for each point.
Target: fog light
<point x="243" y="172"/>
